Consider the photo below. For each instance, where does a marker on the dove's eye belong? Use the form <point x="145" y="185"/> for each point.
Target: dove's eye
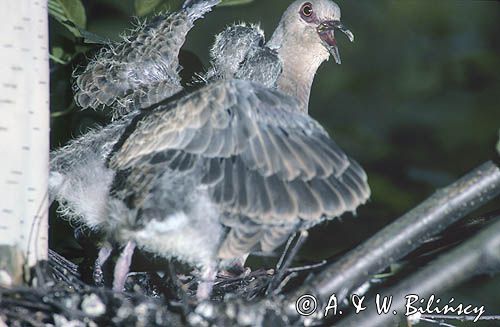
<point x="306" y="10"/>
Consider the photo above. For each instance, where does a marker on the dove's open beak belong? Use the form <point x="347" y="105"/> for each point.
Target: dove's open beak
<point x="326" y="31"/>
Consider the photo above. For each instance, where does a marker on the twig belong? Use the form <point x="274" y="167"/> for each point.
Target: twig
<point x="282" y="266"/>
<point x="404" y="235"/>
<point x="285" y="251"/>
<point x="480" y="254"/>
<point x="284" y="282"/>
<point x="308" y="267"/>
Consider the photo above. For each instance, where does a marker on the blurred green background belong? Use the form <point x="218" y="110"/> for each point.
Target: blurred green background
<point x="416" y="100"/>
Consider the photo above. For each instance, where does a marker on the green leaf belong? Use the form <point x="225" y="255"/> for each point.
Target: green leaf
<point x="144" y="7"/>
<point x="170" y="5"/>
<point x="56" y="56"/>
<point x="68" y="10"/>
<point x="58" y="52"/>
<point x="234" y="2"/>
<point x="88" y="37"/>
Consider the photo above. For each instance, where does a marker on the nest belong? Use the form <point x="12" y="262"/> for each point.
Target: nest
<point x="58" y="297"/>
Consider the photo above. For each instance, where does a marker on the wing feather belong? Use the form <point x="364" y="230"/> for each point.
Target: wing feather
<point x="255" y="153"/>
<point x="144" y="68"/>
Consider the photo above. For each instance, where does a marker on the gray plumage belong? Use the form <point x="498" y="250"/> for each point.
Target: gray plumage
<point x="303" y="43"/>
<point x="240" y="52"/>
<point x="78" y="170"/>
<point x="79" y="179"/>
<point x="144" y="68"/>
<point x="261" y="65"/>
<point x="140" y="71"/>
<point x="230" y="48"/>
<point x="233" y="167"/>
<point x="243" y="150"/>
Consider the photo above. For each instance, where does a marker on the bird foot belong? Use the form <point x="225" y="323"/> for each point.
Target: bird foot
<point x="206" y="284"/>
<point x="122" y="267"/>
<point x="102" y="257"/>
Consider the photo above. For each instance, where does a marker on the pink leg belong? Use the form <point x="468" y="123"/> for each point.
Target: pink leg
<point x="206" y="284"/>
<point x="102" y="257"/>
<point x="122" y="267"/>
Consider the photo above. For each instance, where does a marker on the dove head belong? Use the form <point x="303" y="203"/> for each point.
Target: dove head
<point x="305" y="38"/>
<point x="311" y="25"/>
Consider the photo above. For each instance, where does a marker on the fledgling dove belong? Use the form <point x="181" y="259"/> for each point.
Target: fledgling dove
<point x="233" y="167"/>
<point x="240" y="52"/>
<point x="236" y="167"/>
<point x="144" y="68"/>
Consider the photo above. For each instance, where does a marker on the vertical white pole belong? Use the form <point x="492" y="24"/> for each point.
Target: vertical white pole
<point x="24" y="136"/>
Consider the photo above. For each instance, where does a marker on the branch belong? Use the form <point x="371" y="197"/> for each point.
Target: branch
<point x="481" y="254"/>
<point x="405" y="234"/>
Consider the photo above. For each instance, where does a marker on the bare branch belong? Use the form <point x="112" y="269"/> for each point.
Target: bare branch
<point x="478" y="255"/>
<point x="405" y="234"/>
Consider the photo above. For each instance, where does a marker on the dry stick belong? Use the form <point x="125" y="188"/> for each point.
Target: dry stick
<point x="404" y="235"/>
<point x="478" y="255"/>
<point x="286" y="261"/>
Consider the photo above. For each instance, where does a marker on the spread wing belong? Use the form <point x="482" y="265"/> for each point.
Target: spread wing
<point x="264" y="163"/>
<point x="144" y="68"/>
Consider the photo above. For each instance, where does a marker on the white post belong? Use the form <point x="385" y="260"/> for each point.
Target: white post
<point x="24" y="136"/>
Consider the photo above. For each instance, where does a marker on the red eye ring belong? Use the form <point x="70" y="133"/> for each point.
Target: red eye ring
<point x="306" y="10"/>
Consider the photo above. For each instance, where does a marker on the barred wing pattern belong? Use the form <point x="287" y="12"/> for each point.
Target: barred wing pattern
<point x="268" y="166"/>
<point x="144" y="68"/>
